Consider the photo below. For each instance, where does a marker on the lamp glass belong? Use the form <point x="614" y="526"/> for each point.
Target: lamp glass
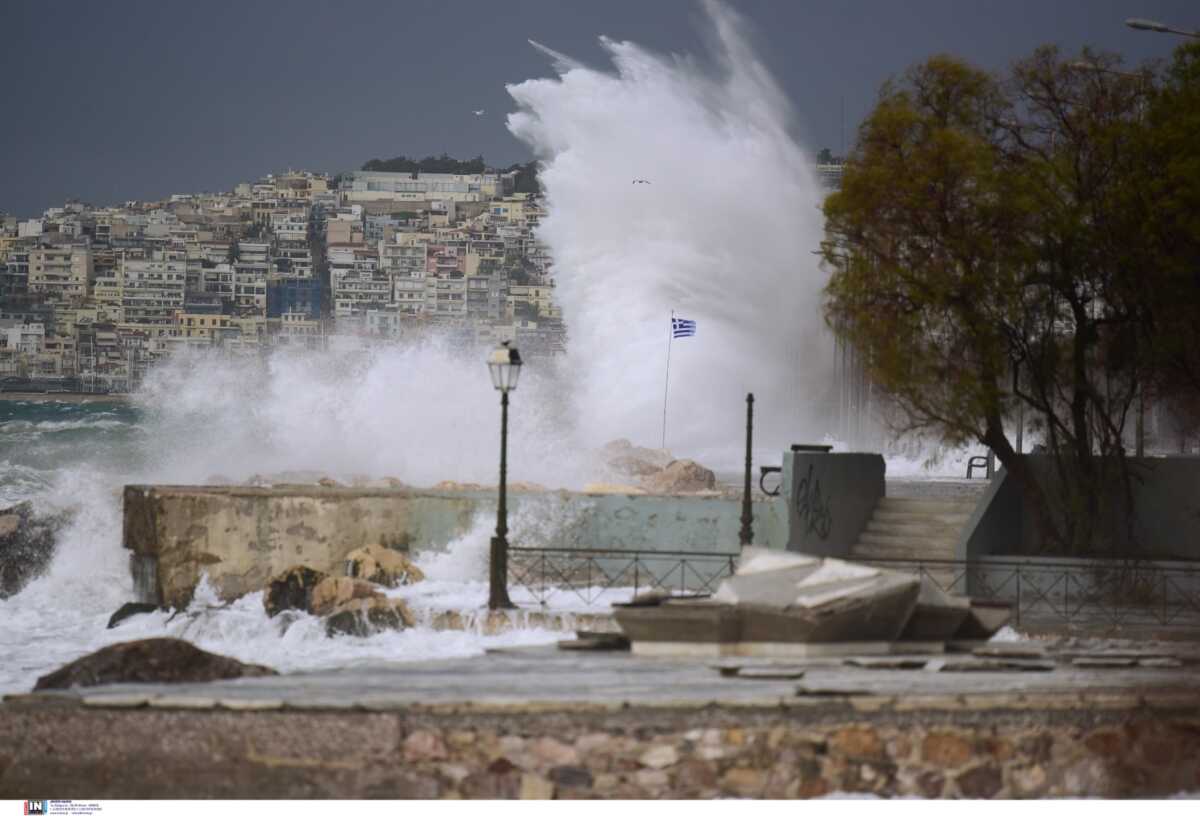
<point x="504" y="365"/>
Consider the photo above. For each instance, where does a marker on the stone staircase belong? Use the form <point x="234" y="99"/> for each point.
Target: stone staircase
<point x="920" y="524"/>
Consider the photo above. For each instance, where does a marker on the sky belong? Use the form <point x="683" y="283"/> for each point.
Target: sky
<point x="108" y="102"/>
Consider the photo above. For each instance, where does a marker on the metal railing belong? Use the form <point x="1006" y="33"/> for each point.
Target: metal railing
<point x="592" y="575"/>
<point x="1043" y="592"/>
<point x="1086" y="594"/>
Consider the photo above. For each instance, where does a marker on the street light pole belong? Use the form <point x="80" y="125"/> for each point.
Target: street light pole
<point x="504" y="364"/>
<point x="746" y="538"/>
<point x="1160" y="28"/>
<point x="498" y="574"/>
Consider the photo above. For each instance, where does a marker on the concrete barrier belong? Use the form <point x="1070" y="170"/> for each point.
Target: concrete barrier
<point x="241" y="536"/>
<point x="830" y="497"/>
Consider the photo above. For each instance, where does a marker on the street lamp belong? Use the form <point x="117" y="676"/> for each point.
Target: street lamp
<point x="504" y="365"/>
<point x="1161" y="28"/>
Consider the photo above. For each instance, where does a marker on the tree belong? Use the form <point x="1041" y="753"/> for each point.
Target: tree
<point x="983" y="260"/>
<point x="825" y="156"/>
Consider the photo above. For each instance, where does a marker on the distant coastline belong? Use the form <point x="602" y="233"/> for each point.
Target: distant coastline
<point x="64" y="396"/>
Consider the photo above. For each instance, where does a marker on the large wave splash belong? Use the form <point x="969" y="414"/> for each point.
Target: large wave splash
<point x="420" y="413"/>
<point x="723" y="233"/>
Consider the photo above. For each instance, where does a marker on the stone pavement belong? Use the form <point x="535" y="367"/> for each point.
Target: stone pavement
<point x="541" y="723"/>
<point x="544" y="675"/>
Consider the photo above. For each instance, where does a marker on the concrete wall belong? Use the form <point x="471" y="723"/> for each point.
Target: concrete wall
<point x="831" y="496"/>
<point x="241" y="536"/>
<point x="1166" y="500"/>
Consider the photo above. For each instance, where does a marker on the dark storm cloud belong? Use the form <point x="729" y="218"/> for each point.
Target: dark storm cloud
<point x="115" y="101"/>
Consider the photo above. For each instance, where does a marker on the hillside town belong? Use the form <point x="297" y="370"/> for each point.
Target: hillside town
<point x="92" y="297"/>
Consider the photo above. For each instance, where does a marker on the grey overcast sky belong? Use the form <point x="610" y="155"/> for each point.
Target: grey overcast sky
<point x="141" y="98"/>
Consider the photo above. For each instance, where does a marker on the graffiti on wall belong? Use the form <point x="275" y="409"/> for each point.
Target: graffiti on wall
<point x="813" y="508"/>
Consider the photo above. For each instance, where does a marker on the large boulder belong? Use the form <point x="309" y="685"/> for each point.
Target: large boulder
<point x="292" y="589"/>
<point x="623" y="457"/>
<point x="156" y="660"/>
<point x="681" y="476"/>
<point x="379" y="565"/>
<point x="367" y="616"/>
<point x="335" y="591"/>
<point x="27" y="543"/>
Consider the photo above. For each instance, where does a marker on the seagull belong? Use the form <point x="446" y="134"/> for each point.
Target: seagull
<point x="640" y="181"/>
<point x="478" y="112"/>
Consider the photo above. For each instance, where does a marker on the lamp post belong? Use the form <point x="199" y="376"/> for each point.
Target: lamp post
<point x="1161" y="28"/>
<point x="504" y="364"/>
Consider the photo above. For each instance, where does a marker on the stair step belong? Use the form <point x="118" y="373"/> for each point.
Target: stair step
<point x="912" y="505"/>
<point x="900" y="553"/>
<point x="914" y="527"/>
<point x="958" y="519"/>
<point x="901" y="538"/>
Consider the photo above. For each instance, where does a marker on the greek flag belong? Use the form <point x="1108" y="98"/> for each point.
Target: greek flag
<point x="682" y="328"/>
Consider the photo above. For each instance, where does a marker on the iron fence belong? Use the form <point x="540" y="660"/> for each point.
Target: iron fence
<point x="1042" y="592"/>
<point x="593" y="575"/>
<point x="1085" y="594"/>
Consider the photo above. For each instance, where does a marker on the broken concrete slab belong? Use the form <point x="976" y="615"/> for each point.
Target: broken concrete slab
<point x="937" y="614"/>
<point x="993" y="664"/>
<point x="902" y="663"/>
<point x="1104" y="662"/>
<point x="1011" y="651"/>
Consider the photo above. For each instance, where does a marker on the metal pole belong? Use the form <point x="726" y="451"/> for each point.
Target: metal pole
<point x="746" y="538"/>
<point x="498" y="577"/>
<point x="667" y="380"/>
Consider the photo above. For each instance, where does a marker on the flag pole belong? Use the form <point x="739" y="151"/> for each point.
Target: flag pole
<point x="667" y="378"/>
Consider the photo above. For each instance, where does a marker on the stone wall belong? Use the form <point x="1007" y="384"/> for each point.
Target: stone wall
<point x="1014" y="746"/>
<point x="240" y="536"/>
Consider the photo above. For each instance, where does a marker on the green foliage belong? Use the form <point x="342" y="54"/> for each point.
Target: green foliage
<point x="526" y="180"/>
<point x="430" y="164"/>
<point x="995" y="247"/>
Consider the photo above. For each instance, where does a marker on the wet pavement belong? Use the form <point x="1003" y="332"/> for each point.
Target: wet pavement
<point x="547" y="676"/>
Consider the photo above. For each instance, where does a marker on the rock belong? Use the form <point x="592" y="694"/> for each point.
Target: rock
<point x="659" y="757"/>
<point x="857" y="742"/>
<point x="632" y="466"/>
<point x="681" y="476"/>
<point x="553" y="752"/>
<point x="292" y="589"/>
<point x="332" y="592"/>
<point x="327" y="482"/>
<point x="608" y="488"/>
<point x="571" y="776"/>
<point x="946" y="750"/>
<point x="366" y="616"/>
<point x="379" y="565"/>
<point x="422" y="745"/>
<point x="535" y="787"/>
<point x="457" y="486"/>
<point x="27" y="544"/>
<point x="526" y="487"/>
<point x="128" y="611"/>
<point x="982" y="782"/>
<point x="155" y="660"/>
<point x="746" y="782"/>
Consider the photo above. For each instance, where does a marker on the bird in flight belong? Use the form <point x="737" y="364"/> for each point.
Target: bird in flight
<point x="640" y="181"/>
<point x="478" y="112"/>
